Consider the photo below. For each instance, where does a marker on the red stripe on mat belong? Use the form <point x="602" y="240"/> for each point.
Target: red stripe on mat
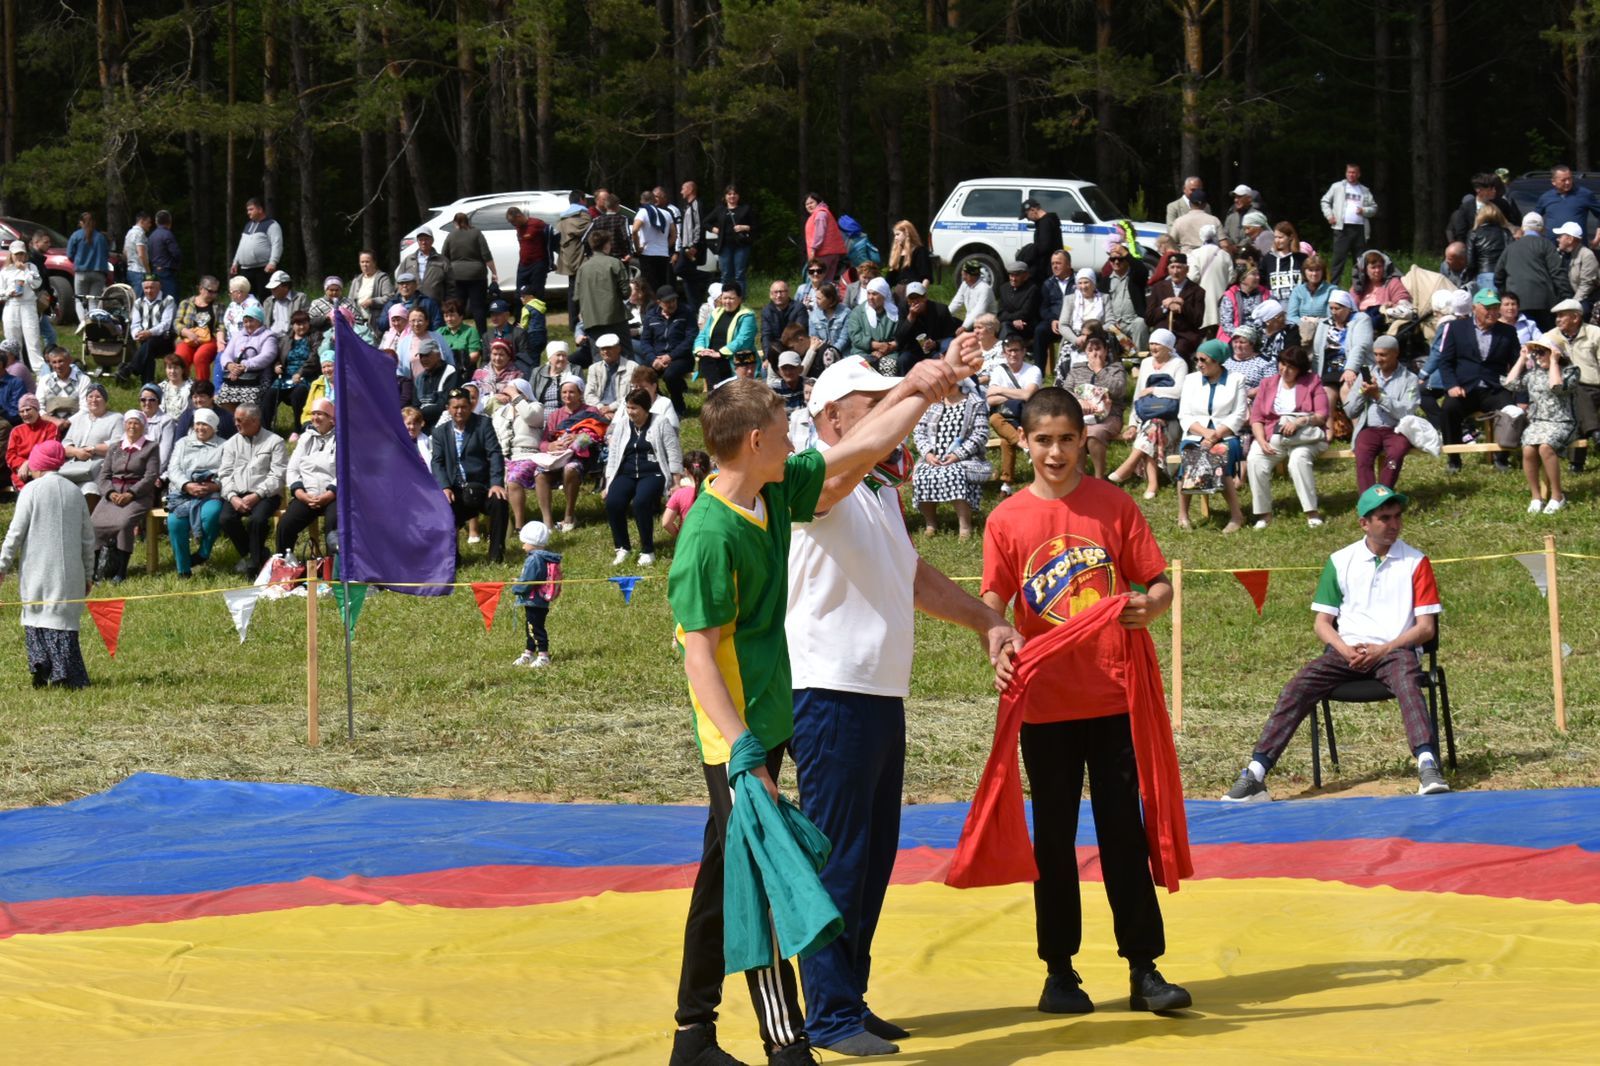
<point x="1567" y="874"/>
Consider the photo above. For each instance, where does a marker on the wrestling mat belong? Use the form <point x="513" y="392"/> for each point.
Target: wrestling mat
<point x="173" y="921"/>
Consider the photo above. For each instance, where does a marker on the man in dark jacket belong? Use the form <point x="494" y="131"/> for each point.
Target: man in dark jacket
<point x="1531" y="268"/>
<point x="1018" y="298"/>
<point x="1053" y="292"/>
<point x="667" y="343"/>
<point x="204" y="394"/>
<point x="925" y="328"/>
<point x="410" y="297"/>
<point x="437" y="380"/>
<point x="1125" y="281"/>
<point x="469" y="466"/>
<point x="1473" y="357"/>
<point x="1046" y="238"/>
<point x="1178" y="304"/>
<point x="779" y="312"/>
<point x="501" y="326"/>
<point x="1486" y="189"/>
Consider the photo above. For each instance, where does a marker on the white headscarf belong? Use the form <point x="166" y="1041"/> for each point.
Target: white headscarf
<point x="881" y="287"/>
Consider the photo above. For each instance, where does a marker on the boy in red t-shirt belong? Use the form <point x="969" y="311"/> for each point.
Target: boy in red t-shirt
<point x="1050" y="552"/>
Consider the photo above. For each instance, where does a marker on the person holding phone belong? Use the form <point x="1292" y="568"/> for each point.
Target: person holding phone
<point x="1383" y="394"/>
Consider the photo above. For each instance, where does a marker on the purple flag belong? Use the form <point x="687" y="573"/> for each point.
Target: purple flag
<point x="395" y="525"/>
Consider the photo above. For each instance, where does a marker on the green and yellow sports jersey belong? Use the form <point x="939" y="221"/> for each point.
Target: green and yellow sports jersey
<point x="731" y="571"/>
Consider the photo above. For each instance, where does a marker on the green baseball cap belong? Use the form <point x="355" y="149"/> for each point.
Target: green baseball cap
<point x="1487" y="298"/>
<point x="1376" y="497"/>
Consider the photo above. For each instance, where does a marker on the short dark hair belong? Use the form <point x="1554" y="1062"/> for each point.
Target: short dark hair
<point x="451" y="304"/>
<point x="295" y="319"/>
<point x="1296" y="356"/>
<point x="255" y="201"/>
<point x="638" y="398"/>
<point x="140" y="215"/>
<point x="1051" y="402"/>
<point x="163" y="218"/>
<point x="203" y="387"/>
<point x="1507" y="294"/>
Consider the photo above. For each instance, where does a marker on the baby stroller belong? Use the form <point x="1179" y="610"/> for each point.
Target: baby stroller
<point x="107" y="333"/>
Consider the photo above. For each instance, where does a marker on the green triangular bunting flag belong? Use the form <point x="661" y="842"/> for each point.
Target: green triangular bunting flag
<point x="358" y="596"/>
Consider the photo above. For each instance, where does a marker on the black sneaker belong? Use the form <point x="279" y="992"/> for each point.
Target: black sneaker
<point x="796" y="1054"/>
<point x="1063" y="994"/>
<point x="1150" y="991"/>
<point x="884" y="1029"/>
<point x="1431" y="780"/>
<point x="697" y="1046"/>
<point x="1452" y="465"/>
<point x="1247" y="789"/>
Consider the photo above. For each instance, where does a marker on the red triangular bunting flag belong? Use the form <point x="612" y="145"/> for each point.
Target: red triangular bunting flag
<point x="487" y="593"/>
<point x="1255" y="583"/>
<point x="107" y="616"/>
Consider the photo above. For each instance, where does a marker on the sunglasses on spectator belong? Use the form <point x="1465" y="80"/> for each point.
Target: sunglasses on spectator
<point x="1119" y="258"/>
<point x="813" y="271"/>
<point x="148" y="399"/>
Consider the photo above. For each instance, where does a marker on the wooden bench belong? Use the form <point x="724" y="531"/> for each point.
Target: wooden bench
<point x="155" y="520"/>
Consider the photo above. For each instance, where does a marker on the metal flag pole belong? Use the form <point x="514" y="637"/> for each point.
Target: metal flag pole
<point x="349" y="676"/>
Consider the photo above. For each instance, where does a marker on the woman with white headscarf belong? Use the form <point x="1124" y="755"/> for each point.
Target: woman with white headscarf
<point x="1082" y="310"/>
<point x="871" y="326"/>
<point x="50" y="536"/>
<point x="194" y="496"/>
<point x="127" y="486"/>
<point x="1156" y="393"/>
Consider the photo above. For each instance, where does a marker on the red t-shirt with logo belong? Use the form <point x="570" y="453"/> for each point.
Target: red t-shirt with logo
<point x="1051" y="559"/>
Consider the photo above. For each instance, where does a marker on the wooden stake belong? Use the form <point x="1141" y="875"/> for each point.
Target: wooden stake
<point x="1557" y="666"/>
<point x="1177" y="644"/>
<point x="313" y="732"/>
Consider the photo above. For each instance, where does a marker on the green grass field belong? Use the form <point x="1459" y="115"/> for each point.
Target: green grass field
<point x="440" y="711"/>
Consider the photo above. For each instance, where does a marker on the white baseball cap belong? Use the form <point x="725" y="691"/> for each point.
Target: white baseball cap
<point x="844" y="377"/>
<point x="789" y="359"/>
<point x="1569" y="229"/>
<point x="279" y="277"/>
<point x="1533" y="220"/>
<point x="1243" y="190"/>
<point x="916" y="288"/>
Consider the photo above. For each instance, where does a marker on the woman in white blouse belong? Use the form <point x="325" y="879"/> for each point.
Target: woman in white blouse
<point x="1212" y="413"/>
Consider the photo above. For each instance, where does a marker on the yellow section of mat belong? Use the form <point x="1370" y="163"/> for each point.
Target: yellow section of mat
<point x="1281" y="971"/>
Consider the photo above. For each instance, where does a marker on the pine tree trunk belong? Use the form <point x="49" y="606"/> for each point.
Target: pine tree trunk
<point x="1228" y="168"/>
<point x="1014" y="117"/>
<point x="305" y="150"/>
<point x="392" y="200"/>
<point x="1382" y="171"/>
<point x="1581" y="78"/>
<point x="500" y="168"/>
<point x="543" y="93"/>
<point x="1252" y="82"/>
<point x="843" y="195"/>
<point x="1421" y="147"/>
<point x="682" y="63"/>
<point x="269" y="98"/>
<point x="1192" y="12"/>
<point x="109" y="48"/>
<point x="1105" y="149"/>
<point x="197" y="152"/>
<point x="466" y="111"/>
<point x="406" y="129"/>
<point x="10" y="140"/>
<point x="230" y="200"/>
<point x="525" y="162"/>
<point x="371" y="172"/>
<point x="1438" y="132"/>
<point x="802" y="126"/>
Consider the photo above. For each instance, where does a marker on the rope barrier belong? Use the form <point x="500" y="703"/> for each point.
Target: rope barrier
<point x="301" y="581"/>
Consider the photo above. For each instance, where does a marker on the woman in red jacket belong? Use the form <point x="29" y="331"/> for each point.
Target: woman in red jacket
<point x="35" y="429"/>
<point x="824" y="239"/>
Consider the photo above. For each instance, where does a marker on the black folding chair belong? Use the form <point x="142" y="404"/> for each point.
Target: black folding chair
<point x="1371" y="690"/>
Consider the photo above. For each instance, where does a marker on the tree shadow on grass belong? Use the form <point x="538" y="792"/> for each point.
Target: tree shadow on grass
<point x="1223" y="1005"/>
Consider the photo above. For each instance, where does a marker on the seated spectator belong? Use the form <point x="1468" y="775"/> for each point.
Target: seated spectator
<point x="1454" y="266"/>
<point x="246" y="361"/>
<point x="608" y="377"/>
<point x="1580" y="344"/>
<point x="519" y="426"/>
<point x="1012" y="382"/>
<point x="322" y="308"/>
<point x="1375" y="606"/>
<point x="461" y="337"/>
<point x="313" y="480"/>
<point x="91" y="433"/>
<point x="126" y="484"/>
<point x="469" y="466"/>
<point x="15" y="363"/>
<point x="434" y="384"/>
<point x="12" y="390"/>
<point x="925" y="329"/>
<point x="1379" y="292"/>
<point x="780" y="311"/>
<point x="194" y="494"/>
<point x="416" y="426"/>
<point x="546" y="380"/>
<point x="151" y="330"/>
<point x="31" y="429"/>
<point x="203" y="395"/>
<point x="569" y="447"/>
<point x="974" y="296"/>
<point x="159" y="427"/>
<point x="639" y="301"/>
<point x="1083" y="312"/>
<point x="1583" y="269"/>
<point x="65" y="378"/>
<point x="1448" y="307"/>
<point x="409" y="297"/>
<point x="408" y="345"/>
<point x="1549" y="379"/>
<point x="280" y="302"/>
<point x="175" y="389"/>
<point x="1018" y="301"/>
<point x="952" y="439"/>
<point x="644" y="456"/>
<point x="1288" y="419"/>
<point x="501" y="369"/>
<point x="1256" y="234"/>
<point x="1178" y="304"/>
<point x="500" y="325"/>
<point x="1271" y="320"/>
<point x="1126" y="282"/>
<point x="240" y="300"/>
<point x="871" y="328"/>
<point x="1385" y="393"/>
<point x="1156" y="393"/>
<point x="666" y="343"/>
<point x="1248" y="365"/>
<point x="1213" y="411"/>
<point x="908" y="257"/>
<point x="1283" y="263"/>
<point x="198" y="324"/>
<point x="1101" y="386"/>
<point x="791" y="384"/>
<point x="298" y="366"/>
<point x="1341" y="345"/>
<point x="1308" y="302"/>
<point x="696" y="468"/>
<point x="646" y="378"/>
<point x="252" y="469"/>
<point x="729" y="328"/>
<point x="745" y="363"/>
<point x="1473" y="357"/>
<point x="813" y="356"/>
<point x="322" y="385"/>
<point x="987" y="330"/>
<point x="370" y="292"/>
<point x="1239" y="302"/>
<point x="829" y="322"/>
<point x="1511" y="314"/>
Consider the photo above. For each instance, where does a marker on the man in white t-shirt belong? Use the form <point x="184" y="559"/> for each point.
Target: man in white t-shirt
<point x="855" y="584"/>
<point x="654" y="233"/>
<point x="1348" y="205"/>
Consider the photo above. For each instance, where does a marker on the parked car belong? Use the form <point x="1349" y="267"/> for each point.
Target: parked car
<point x="58" y="272"/>
<point x="1524" y="191"/>
<point x="488" y="213"/>
<point x="982" y="219"/>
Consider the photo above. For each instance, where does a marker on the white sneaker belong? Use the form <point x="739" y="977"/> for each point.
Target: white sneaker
<point x="1006" y="488"/>
<point x="543" y="659"/>
<point x="1536" y="506"/>
<point x="1314" y="523"/>
<point x="568" y="527"/>
<point x="525" y="659"/>
<point x="646" y="559"/>
<point x="620" y="558"/>
<point x="474" y="540"/>
<point x="1555" y="505"/>
<point x="1261" y="523"/>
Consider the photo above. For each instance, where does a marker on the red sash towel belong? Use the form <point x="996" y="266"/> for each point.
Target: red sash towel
<point x="994" y="848"/>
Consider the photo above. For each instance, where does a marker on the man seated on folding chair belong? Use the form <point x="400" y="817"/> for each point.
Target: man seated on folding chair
<point x="1376" y="605"/>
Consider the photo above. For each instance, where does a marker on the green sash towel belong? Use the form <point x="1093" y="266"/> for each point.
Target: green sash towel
<point x="771" y="858"/>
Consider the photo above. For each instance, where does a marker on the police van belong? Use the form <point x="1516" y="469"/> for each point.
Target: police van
<point x="982" y="219"/>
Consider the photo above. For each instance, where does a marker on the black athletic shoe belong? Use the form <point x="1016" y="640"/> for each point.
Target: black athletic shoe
<point x="697" y="1046"/>
<point x="880" y="1028"/>
<point x="796" y="1054"/>
<point x="1063" y="994"/>
<point x="1151" y="991"/>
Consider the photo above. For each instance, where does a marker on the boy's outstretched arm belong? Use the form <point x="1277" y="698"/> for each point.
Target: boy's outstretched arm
<point x="716" y="702"/>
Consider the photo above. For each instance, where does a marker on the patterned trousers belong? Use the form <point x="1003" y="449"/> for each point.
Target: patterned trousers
<point x="1305" y="691"/>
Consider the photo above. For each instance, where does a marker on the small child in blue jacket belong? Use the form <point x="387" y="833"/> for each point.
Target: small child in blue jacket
<point x="537" y="587"/>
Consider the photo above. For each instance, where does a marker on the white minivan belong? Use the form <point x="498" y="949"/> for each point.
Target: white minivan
<point x="982" y="219"/>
